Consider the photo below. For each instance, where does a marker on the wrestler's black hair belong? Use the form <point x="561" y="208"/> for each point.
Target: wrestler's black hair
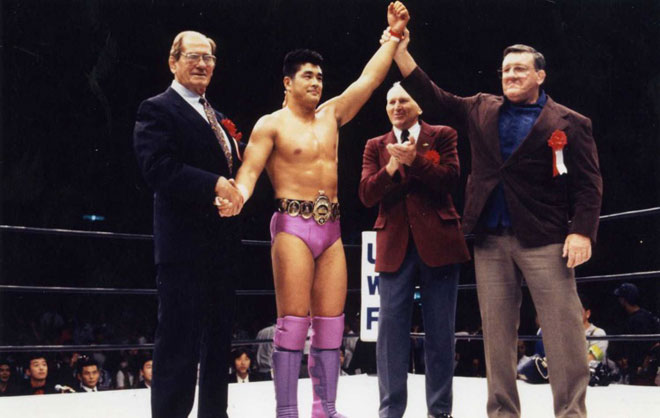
<point x="293" y="60"/>
<point x="539" y="59"/>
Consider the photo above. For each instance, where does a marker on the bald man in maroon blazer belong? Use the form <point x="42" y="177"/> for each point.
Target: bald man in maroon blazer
<point x="533" y="201"/>
<point x="409" y="172"/>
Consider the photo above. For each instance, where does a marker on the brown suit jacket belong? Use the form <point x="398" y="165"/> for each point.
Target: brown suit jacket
<point x="543" y="208"/>
<point x="415" y="201"/>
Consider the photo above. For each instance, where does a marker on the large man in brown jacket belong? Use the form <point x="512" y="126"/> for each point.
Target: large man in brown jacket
<point x="533" y="198"/>
<point x="409" y="172"/>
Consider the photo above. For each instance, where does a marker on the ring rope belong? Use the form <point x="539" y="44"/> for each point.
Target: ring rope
<point x="243" y="292"/>
<point x="119" y="291"/>
<point x="249" y="242"/>
<point x="236" y="343"/>
<point x="116" y="235"/>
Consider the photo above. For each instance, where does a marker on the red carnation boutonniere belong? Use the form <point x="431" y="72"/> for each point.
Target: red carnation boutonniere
<point x="235" y="135"/>
<point x="432" y="156"/>
<point x="231" y="128"/>
<point x="557" y="142"/>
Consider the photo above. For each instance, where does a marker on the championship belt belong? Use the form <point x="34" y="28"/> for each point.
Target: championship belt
<point x="321" y="209"/>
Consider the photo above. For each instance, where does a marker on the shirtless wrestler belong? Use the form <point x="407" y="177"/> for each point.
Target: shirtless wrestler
<point x="298" y="147"/>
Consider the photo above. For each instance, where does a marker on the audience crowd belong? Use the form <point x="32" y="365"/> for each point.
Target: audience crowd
<point x="66" y="372"/>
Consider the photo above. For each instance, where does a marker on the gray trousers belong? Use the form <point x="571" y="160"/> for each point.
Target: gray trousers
<point x="499" y="260"/>
<point x="439" y="287"/>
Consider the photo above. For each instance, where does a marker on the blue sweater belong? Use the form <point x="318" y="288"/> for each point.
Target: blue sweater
<point x="515" y="122"/>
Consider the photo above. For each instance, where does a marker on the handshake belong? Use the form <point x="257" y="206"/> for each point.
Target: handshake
<point x="229" y="199"/>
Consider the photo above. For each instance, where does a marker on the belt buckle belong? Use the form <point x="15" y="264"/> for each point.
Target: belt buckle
<point x="322" y="208"/>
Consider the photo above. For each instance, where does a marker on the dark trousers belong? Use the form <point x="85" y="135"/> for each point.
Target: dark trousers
<point x="195" y="315"/>
<point x="439" y="286"/>
<point x="500" y="263"/>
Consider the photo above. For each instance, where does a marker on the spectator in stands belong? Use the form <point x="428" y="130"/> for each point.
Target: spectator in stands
<point x="265" y="351"/>
<point x="8" y="386"/>
<point x="639" y="354"/>
<point x="522" y="353"/>
<point x="146" y="372"/>
<point x="67" y="370"/>
<point x="36" y="369"/>
<point x="469" y="357"/>
<point x="125" y="376"/>
<point x="597" y="349"/>
<point x="342" y="361"/>
<point x="241" y="362"/>
<point x="88" y="375"/>
<point x="364" y="359"/>
<point x="348" y="342"/>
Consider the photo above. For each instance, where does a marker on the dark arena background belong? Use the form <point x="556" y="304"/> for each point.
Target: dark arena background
<point x="74" y="73"/>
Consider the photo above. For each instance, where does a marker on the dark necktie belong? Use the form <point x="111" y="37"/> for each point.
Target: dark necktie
<point x="404" y="135"/>
<point x="218" y="131"/>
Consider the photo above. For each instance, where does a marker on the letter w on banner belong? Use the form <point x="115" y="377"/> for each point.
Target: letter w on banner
<point x="370" y="292"/>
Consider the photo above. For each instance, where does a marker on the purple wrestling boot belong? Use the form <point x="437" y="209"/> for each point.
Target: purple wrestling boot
<point x="323" y="364"/>
<point x="289" y="340"/>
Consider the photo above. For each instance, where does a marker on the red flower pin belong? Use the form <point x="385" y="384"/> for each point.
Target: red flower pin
<point x="231" y="128"/>
<point x="557" y="142"/>
<point x="432" y="156"/>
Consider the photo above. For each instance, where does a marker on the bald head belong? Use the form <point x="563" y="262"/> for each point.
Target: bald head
<point x="402" y="110"/>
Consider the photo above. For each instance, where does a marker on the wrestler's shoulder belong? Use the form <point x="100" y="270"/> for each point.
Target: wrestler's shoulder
<point x="270" y="121"/>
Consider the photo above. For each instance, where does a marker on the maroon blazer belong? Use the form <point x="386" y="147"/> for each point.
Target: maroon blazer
<point x="415" y="199"/>
<point x="543" y="208"/>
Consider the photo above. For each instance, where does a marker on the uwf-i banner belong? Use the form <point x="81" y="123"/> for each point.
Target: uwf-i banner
<point x="370" y="293"/>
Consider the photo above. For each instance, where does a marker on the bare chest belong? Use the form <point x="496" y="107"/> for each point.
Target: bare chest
<point x="307" y="142"/>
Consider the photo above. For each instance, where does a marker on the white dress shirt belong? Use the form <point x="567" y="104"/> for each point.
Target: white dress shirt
<point x="192" y="99"/>
<point x="413" y="130"/>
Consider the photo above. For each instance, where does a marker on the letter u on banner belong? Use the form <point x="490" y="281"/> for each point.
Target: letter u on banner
<point x="370" y="294"/>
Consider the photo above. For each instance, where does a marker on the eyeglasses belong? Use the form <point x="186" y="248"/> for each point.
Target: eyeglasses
<point x="517" y="70"/>
<point x="192" y="58"/>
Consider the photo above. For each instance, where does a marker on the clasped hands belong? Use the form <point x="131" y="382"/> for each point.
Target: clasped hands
<point x="228" y="199"/>
<point x="401" y="154"/>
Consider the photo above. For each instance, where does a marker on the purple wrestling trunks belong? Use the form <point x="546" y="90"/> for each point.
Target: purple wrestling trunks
<point x="317" y="237"/>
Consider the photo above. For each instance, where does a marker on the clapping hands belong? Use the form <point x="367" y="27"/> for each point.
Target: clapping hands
<point x="228" y="199"/>
<point x="403" y="153"/>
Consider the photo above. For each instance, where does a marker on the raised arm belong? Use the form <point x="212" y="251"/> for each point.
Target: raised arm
<point x="436" y="102"/>
<point x="256" y="155"/>
<point x="402" y="57"/>
<point x="347" y="104"/>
